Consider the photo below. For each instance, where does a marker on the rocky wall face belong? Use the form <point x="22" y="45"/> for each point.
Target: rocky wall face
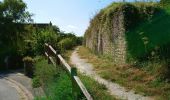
<point x="106" y="34"/>
<point x="119" y="43"/>
<point x="111" y="44"/>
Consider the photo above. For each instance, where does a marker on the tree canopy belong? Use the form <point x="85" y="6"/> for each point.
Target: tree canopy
<point x="12" y="14"/>
<point x="14" y="11"/>
<point x="165" y="2"/>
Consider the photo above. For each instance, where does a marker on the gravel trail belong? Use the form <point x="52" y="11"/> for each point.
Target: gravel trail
<point x="115" y="89"/>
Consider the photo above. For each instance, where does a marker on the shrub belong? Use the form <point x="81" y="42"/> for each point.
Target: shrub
<point x="60" y="88"/>
<point x="44" y="71"/>
<point x="67" y="43"/>
<point x="164" y="2"/>
<point x="28" y="59"/>
<point x="79" y="41"/>
<point x="36" y="82"/>
<point x="44" y="36"/>
<point x="54" y="81"/>
<point x="28" y="66"/>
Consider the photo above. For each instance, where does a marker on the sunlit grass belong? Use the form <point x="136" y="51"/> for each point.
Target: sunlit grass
<point x="143" y="81"/>
<point x="98" y="91"/>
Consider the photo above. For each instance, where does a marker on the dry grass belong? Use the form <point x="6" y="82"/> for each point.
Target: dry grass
<point x="142" y="81"/>
<point x="98" y="91"/>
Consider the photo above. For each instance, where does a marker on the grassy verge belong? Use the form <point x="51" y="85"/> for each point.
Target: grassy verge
<point x="97" y="91"/>
<point x="142" y="81"/>
<point x="55" y="82"/>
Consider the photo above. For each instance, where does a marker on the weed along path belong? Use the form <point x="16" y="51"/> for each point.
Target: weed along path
<point x="113" y="88"/>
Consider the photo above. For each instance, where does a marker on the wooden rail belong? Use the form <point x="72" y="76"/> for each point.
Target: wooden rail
<point x="51" y="53"/>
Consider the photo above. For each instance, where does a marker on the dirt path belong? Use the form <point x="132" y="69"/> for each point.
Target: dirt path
<point x="114" y="89"/>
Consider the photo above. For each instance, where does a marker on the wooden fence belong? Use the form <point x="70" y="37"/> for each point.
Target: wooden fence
<point x="56" y="59"/>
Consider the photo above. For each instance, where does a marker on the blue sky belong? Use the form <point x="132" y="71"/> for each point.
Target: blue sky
<point x="68" y="15"/>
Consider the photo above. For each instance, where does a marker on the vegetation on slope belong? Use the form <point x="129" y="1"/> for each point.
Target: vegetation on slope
<point x="142" y="81"/>
<point x="149" y="43"/>
<point x="133" y="13"/>
<point x="148" y="47"/>
<point x="20" y="37"/>
<point x="147" y="34"/>
<point x="55" y="82"/>
<point x="150" y="37"/>
<point x="12" y="12"/>
<point x="97" y="91"/>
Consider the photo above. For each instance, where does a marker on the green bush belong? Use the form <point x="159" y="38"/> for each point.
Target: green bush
<point x="60" y="88"/>
<point x="55" y="82"/>
<point x="36" y="82"/>
<point x="164" y="2"/>
<point x="44" y="71"/>
<point x="79" y="40"/>
<point x="28" y="59"/>
<point x="28" y="66"/>
<point x="67" y="43"/>
<point x="44" y="36"/>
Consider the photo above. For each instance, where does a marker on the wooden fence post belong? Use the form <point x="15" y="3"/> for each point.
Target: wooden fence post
<point x="45" y="50"/>
<point x="74" y="85"/>
<point x="48" y="52"/>
<point x="57" y="59"/>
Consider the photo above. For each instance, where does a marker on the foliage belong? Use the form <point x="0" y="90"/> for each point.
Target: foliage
<point x="79" y="40"/>
<point x="143" y="24"/>
<point x="98" y="91"/>
<point x="53" y="36"/>
<point x="28" y="66"/>
<point x="36" y="82"/>
<point x="28" y="59"/>
<point x="150" y="40"/>
<point x="19" y="39"/>
<point x="60" y="89"/>
<point x="67" y="43"/>
<point x="44" y="72"/>
<point x="15" y="11"/>
<point x="127" y="15"/>
<point x="44" y="36"/>
<point x="12" y="12"/>
<point x="55" y="81"/>
<point x="164" y="2"/>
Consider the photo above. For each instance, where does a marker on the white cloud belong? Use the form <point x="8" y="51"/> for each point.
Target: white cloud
<point x="72" y="27"/>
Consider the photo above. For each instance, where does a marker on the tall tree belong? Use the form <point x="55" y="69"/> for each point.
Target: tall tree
<point x="15" y="10"/>
<point x="165" y="2"/>
<point x="12" y="14"/>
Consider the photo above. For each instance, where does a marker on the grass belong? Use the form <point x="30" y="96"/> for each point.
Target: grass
<point x="98" y="91"/>
<point x="55" y="82"/>
<point x="60" y="89"/>
<point x="142" y="81"/>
